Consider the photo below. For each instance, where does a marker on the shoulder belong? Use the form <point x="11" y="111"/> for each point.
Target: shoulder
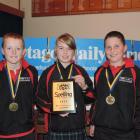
<point x="80" y="68"/>
<point x="102" y="67"/>
<point x="2" y="64"/>
<point x="32" y="68"/>
<point x="27" y="66"/>
<point x="99" y="70"/>
<point x="137" y="70"/>
<point x="48" y="70"/>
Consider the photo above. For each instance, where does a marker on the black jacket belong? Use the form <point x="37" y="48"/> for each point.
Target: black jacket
<point x="18" y="123"/>
<point x="124" y="115"/>
<point x="44" y="98"/>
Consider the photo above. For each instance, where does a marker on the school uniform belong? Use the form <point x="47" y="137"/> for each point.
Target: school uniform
<point x="71" y="127"/>
<point x="117" y="119"/>
<point x="19" y="123"/>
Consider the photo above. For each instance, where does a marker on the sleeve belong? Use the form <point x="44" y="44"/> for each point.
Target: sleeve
<point x="35" y="76"/>
<point x="35" y="84"/>
<point x="43" y="99"/>
<point x="33" y="73"/>
<point x="93" y="106"/>
<point x="91" y="114"/>
<point x="89" y="92"/>
<point x="137" y="109"/>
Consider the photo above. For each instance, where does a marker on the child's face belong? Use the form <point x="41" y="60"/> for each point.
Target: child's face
<point x="13" y="50"/>
<point x="115" y="50"/>
<point x="64" y="53"/>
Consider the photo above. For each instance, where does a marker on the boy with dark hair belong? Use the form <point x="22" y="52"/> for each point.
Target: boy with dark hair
<point x="116" y="114"/>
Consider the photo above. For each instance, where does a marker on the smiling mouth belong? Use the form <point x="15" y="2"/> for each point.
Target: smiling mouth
<point x="14" y="56"/>
<point x="113" y="55"/>
<point x="65" y="57"/>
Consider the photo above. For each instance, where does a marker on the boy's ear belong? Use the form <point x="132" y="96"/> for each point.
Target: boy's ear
<point x="2" y="51"/>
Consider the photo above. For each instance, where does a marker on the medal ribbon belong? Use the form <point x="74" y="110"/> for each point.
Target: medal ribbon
<point x="61" y="73"/>
<point x="111" y="85"/>
<point x="11" y="83"/>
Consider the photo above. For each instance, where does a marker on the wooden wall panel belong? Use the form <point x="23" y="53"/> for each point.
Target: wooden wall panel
<point x="68" y="7"/>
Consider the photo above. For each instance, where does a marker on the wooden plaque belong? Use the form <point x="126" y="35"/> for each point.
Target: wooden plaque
<point x="63" y="96"/>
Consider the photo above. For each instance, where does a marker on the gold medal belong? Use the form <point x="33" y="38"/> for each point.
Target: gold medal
<point x="110" y="100"/>
<point x="13" y="106"/>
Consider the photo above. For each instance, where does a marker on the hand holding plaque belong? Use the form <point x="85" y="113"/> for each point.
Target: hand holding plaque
<point x="80" y="80"/>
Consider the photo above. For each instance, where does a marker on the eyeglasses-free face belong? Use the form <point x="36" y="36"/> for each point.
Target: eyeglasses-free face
<point x="115" y="51"/>
<point x="13" y="50"/>
<point x="64" y="53"/>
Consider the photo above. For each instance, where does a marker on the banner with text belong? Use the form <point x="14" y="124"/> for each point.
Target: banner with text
<point x="90" y="52"/>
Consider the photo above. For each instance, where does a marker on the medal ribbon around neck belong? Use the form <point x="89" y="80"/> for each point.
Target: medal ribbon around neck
<point x="70" y="72"/>
<point x="11" y="83"/>
<point x="110" y="99"/>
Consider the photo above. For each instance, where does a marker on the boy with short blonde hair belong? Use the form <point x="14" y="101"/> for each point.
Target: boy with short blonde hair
<point x="18" y="82"/>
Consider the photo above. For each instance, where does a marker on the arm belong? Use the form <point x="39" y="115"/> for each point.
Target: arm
<point x="137" y="109"/>
<point x="93" y="106"/>
<point x="35" y="83"/>
<point x="43" y="99"/>
<point x="84" y="81"/>
<point x="91" y="119"/>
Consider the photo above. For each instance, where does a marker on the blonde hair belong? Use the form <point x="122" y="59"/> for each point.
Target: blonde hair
<point x="67" y="39"/>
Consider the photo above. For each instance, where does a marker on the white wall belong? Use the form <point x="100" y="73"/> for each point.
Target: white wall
<point x="12" y="3"/>
<point x="87" y="26"/>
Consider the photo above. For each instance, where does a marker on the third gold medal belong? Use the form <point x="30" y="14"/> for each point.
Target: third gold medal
<point x="110" y="100"/>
